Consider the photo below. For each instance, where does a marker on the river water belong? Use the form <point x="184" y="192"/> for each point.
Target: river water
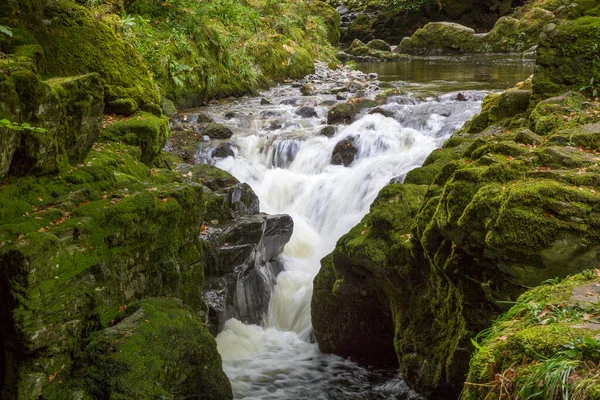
<point x="282" y="156"/>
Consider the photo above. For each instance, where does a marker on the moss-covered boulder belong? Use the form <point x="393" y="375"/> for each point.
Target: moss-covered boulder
<point x="378" y="44"/>
<point x="361" y="28"/>
<point x="441" y="38"/>
<point x="512" y="34"/>
<point x="157" y="347"/>
<point x="499" y="107"/>
<point x="79" y="250"/>
<point x="344" y="113"/>
<point x="279" y="58"/>
<point x="143" y="129"/>
<point x="330" y="19"/>
<point x="547" y="344"/>
<point x="217" y="131"/>
<point x="374" y="51"/>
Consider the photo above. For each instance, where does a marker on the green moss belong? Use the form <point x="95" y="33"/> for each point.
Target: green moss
<point x="441" y="38"/>
<point x="161" y="349"/>
<point x="122" y="107"/>
<point x="499" y="107"/>
<point x="76" y="43"/>
<point x="95" y="239"/>
<point x="567" y="58"/>
<point x="142" y="129"/>
<point x="544" y="326"/>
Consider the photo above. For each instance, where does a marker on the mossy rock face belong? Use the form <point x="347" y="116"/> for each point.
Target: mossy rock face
<point x="497" y="209"/>
<point x="517" y="34"/>
<point x="122" y="107"/>
<point x="567" y="58"/>
<point x="142" y="129"/>
<point x="441" y="38"/>
<point x="552" y="115"/>
<point x="74" y="43"/>
<point x="160" y="347"/>
<point x="351" y="314"/>
<point x="330" y="18"/>
<point x="69" y="111"/>
<point x="77" y="249"/>
<point x="279" y="58"/>
<point x="548" y="330"/>
<point x="499" y="107"/>
<point x="361" y="28"/>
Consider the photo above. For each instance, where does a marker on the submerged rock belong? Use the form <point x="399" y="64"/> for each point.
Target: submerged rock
<point x="307" y="112"/>
<point x="328" y="131"/>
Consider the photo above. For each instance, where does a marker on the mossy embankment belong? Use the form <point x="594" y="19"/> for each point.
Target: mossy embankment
<point x="547" y="345"/>
<point x="183" y="51"/>
<point x="516" y="32"/>
<point x="511" y="200"/>
<point x="102" y="263"/>
<point x="393" y="20"/>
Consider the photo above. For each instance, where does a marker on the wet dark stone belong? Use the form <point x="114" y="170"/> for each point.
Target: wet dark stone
<point x="289" y="102"/>
<point x="328" y="131"/>
<point x="223" y="150"/>
<point x="344" y="152"/>
<point x="384" y="112"/>
<point x="307" y="112"/>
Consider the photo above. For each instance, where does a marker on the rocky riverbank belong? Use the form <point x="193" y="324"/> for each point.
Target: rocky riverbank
<point x="106" y="241"/>
<point x="508" y="202"/>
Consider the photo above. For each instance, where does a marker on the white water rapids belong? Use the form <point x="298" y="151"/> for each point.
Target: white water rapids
<point x="286" y="161"/>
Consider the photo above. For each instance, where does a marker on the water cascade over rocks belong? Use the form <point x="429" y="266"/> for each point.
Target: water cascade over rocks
<point x="281" y="154"/>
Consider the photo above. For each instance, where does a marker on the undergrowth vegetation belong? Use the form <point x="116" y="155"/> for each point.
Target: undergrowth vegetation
<point x="544" y="347"/>
<point x="200" y="50"/>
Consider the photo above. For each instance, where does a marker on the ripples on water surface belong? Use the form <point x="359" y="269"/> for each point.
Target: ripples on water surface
<point x="287" y="163"/>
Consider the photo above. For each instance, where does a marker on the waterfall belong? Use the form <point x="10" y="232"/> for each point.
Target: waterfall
<point x="282" y="156"/>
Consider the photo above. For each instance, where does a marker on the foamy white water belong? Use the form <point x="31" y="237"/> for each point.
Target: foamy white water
<point x="288" y="164"/>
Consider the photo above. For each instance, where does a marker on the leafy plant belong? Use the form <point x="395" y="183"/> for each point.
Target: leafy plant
<point x="5" y="123"/>
<point x="6" y="30"/>
<point x="591" y="87"/>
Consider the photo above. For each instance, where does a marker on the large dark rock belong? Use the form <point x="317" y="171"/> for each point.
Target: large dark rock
<point x="344" y="152"/>
<point x="217" y="131"/>
<point x="245" y="265"/>
<point x="223" y="150"/>
<point x="344" y="113"/>
<point x="307" y="112"/>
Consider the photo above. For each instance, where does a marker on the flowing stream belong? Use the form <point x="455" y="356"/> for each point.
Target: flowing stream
<point x="282" y="156"/>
